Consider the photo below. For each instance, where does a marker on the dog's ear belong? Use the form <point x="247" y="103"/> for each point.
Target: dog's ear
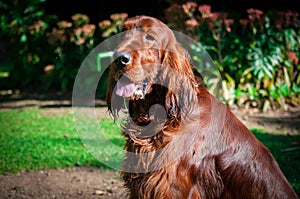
<point x="113" y="101"/>
<point x="176" y="57"/>
<point x="178" y="78"/>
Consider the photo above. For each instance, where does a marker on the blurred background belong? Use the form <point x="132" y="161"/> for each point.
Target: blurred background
<point x="254" y="44"/>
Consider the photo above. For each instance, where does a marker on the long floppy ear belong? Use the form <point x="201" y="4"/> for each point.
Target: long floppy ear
<point x="175" y="56"/>
<point x="113" y="101"/>
<point x="179" y="78"/>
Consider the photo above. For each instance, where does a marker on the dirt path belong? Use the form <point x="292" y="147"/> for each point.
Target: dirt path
<point x="89" y="182"/>
<point x="79" y="182"/>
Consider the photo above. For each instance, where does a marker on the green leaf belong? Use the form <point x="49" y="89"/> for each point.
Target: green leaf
<point x="291" y="38"/>
<point x="287" y="63"/>
<point x="39" y="13"/>
<point x="274" y="92"/>
<point x="284" y="90"/>
<point x="295" y="89"/>
<point x="23" y="38"/>
<point x="238" y="92"/>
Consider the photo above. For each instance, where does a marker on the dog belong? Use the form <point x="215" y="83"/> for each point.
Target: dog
<point x="181" y="142"/>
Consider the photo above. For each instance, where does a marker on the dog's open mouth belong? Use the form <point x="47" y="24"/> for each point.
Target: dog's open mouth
<point x="128" y="89"/>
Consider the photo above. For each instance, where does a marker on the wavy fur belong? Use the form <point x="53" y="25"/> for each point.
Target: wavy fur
<point x="217" y="159"/>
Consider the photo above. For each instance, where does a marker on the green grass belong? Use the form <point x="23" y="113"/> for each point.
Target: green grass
<point x="289" y="162"/>
<point x="31" y="140"/>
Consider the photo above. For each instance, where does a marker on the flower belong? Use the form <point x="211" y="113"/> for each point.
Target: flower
<point x="255" y="11"/>
<point x="192" y="23"/>
<point x="77" y="31"/>
<point x="80" y="41"/>
<point x="104" y="24"/>
<point x="118" y="16"/>
<point x="205" y="10"/>
<point x="293" y="57"/>
<point x="80" y="19"/>
<point x="37" y="27"/>
<point x="64" y="24"/>
<point x="254" y="14"/>
<point x="189" y="7"/>
<point x="88" y="30"/>
<point x="286" y="18"/>
<point x="56" y="35"/>
<point x="227" y="23"/>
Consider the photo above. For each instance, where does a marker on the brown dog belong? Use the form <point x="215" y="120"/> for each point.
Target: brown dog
<point x="196" y="148"/>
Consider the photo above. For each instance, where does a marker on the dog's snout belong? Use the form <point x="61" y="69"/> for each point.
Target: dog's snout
<point x="122" y="59"/>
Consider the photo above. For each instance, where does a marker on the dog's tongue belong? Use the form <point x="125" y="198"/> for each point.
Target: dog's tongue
<point x="125" y="88"/>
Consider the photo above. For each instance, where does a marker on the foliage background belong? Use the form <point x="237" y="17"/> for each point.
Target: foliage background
<point x="256" y="50"/>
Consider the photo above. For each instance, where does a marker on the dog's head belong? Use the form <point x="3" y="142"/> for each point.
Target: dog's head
<point x="150" y="67"/>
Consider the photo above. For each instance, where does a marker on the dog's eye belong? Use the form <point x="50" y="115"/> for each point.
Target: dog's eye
<point x="149" y="37"/>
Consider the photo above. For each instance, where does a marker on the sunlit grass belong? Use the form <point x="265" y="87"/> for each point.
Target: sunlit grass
<point x="31" y="140"/>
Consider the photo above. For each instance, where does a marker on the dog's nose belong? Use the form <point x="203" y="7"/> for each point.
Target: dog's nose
<point x="122" y="59"/>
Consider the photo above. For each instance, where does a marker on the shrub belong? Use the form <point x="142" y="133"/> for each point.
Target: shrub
<point x="23" y="27"/>
<point x="47" y="52"/>
<point x="70" y="41"/>
<point x="258" y="57"/>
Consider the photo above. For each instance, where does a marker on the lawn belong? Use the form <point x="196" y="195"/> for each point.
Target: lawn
<point x="31" y="139"/>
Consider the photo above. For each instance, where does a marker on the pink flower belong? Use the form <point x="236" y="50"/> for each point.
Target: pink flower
<point x="254" y="14"/>
<point x="227" y="23"/>
<point x="255" y="11"/>
<point x="56" y="35"/>
<point x="189" y="7"/>
<point x="80" y="19"/>
<point x="80" y="16"/>
<point x="204" y="8"/>
<point x="104" y="24"/>
<point x="80" y="41"/>
<point x="88" y="30"/>
<point x="286" y="18"/>
<point x="64" y="24"/>
<point x="37" y="27"/>
<point x="293" y="57"/>
<point x="119" y="16"/>
<point x="192" y="22"/>
<point x="78" y="31"/>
